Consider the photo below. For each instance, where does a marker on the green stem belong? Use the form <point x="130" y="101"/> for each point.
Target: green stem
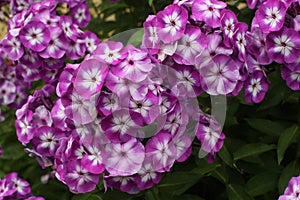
<point x="153" y="8"/>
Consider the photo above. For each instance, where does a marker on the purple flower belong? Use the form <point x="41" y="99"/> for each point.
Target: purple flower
<point x="146" y="107"/>
<point x="110" y="52"/>
<point x="228" y="23"/>
<point x="5" y="189"/>
<point x="46" y="140"/>
<point x="79" y="179"/>
<point x="135" y="67"/>
<point x="76" y="49"/>
<point x="90" y="77"/>
<point x="256" y="45"/>
<point x="21" y="186"/>
<point x="68" y="28"/>
<point x="24" y="128"/>
<point x="121" y="125"/>
<point x="80" y="15"/>
<point x="162" y="151"/>
<point x="284" y="45"/>
<point x="220" y="75"/>
<point x="291" y="74"/>
<point x="211" y="47"/>
<point x="208" y="11"/>
<point x="94" y="160"/>
<point x="147" y="176"/>
<point x="79" y="109"/>
<point x="123" y="183"/>
<point x="124" y="159"/>
<point x="293" y="190"/>
<point x="185" y="81"/>
<point x="91" y="41"/>
<point x="256" y="87"/>
<point x="7" y="91"/>
<point x="188" y="46"/>
<point x="171" y="22"/>
<point x="270" y="16"/>
<point x="240" y="40"/>
<point x="208" y="132"/>
<point x="35" y="35"/>
<point x="175" y="121"/>
<point x="58" y="115"/>
<point x="108" y="103"/>
<point x="57" y="45"/>
<point x="13" y="47"/>
<point x="150" y="37"/>
<point x="183" y="144"/>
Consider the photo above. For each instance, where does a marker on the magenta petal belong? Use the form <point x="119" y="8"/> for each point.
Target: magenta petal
<point x="90" y="77"/>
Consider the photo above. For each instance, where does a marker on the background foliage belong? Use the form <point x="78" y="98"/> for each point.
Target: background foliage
<point x="261" y="152"/>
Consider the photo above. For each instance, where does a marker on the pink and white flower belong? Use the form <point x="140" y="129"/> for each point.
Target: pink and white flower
<point x="208" y="11"/>
<point x="124" y="159"/>
<point x="35" y="35"/>
<point x="90" y="77"/>
<point x="171" y="22"/>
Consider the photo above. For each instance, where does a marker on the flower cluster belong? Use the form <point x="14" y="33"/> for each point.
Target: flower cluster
<point x="78" y="9"/>
<point x="14" y="187"/>
<point x="117" y="115"/>
<point x="228" y="56"/>
<point x="293" y="190"/>
<point x="130" y="113"/>
<point x="39" y="40"/>
<point x="275" y="38"/>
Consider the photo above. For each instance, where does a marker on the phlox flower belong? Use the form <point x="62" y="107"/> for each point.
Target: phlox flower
<point x="256" y="87"/>
<point x="135" y="67"/>
<point x="171" y="22"/>
<point x="293" y="190"/>
<point x="208" y="11"/>
<point x="124" y="159"/>
<point x="90" y="77"/>
<point x="220" y="75"/>
<point x="35" y="35"/>
<point x="270" y="15"/>
<point x="284" y="45"/>
<point x="162" y="151"/>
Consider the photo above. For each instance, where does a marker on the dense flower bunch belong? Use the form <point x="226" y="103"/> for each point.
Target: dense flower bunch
<point x="40" y="40"/>
<point x="14" y="187"/>
<point x="38" y="43"/>
<point x="207" y="36"/>
<point x="117" y="115"/>
<point x="292" y="192"/>
<point x="275" y="38"/>
<point x="78" y="9"/>
<point x="130" y="113"/>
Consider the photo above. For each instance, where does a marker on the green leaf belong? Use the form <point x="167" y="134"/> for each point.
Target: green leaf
<point x="293" y="169"/>
<point x="136" y="38"/>
<point x="87" y="196"/>
<point x="262" y="183"/>
<point x="226" y="156"/>
<point x="266" y="126"/>
<point x="252" y="149"/>
<point x="178" y="182"/>
<point x="285" y="140"/>
<point x="150" y="2"/>
<point x="237" y="192"/>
